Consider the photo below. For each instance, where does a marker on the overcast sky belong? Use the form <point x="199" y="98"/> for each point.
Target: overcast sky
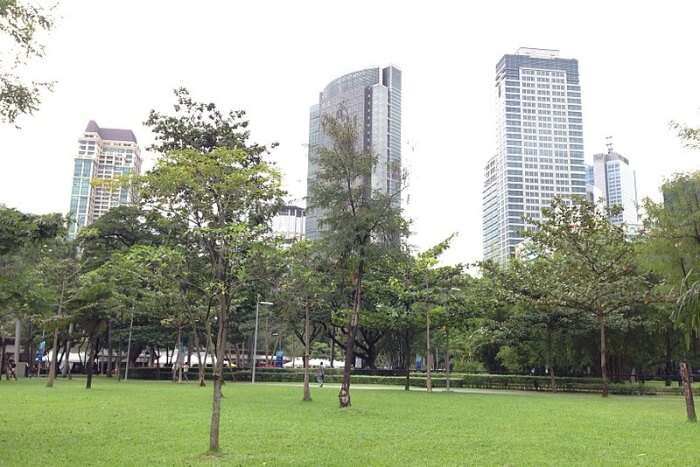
<point x="115" y="60"/>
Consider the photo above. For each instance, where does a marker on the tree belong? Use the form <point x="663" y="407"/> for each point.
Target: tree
<point x="21" y="24"/>
<point x="227" y="197"/>
<point x="59" y="275"/>
<point x="536" y="312"/>
<point x="202" y="127"/>
<point x="21" y="241"/>
<point x="94" y="307"/>
<point x="355" y="219"/>
<point x="415" y="290"/>
<point x="672" y="250"/>
<point x="584" y="263"/>
<point x="18" y="229"/>
<point x="302" y="293"/>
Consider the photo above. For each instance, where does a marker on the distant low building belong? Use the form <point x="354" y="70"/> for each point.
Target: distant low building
<point x="289" y="223"/>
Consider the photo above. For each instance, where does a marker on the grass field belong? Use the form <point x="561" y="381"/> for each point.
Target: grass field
<point x="160" y="423"/>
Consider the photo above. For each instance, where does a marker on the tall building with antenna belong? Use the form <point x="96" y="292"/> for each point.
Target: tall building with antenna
<point x="539" y="145"/>
<point x="616" y="181"/>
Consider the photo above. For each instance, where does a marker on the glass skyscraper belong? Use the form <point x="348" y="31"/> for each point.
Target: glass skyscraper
<point x="617" y="183"/>
<point x="103" y="154"/>
<point x="539" y="145"/>
<point x="373" y="98"/>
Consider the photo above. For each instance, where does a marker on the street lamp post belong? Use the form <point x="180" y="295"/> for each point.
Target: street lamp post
<point x="447" y="350"/>
<point x="255" y="334"/>
<point x="128" y="346"/>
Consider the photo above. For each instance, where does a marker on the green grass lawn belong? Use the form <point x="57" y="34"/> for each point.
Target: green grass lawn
<point x="160" y="423"/>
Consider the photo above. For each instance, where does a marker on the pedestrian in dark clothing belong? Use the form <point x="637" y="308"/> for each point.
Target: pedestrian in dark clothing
<point x="12" y="366"/>
<point x="320" y="375"/>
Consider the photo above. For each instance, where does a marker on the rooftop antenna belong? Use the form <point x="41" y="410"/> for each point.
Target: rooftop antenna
<point x="609" y="143"/>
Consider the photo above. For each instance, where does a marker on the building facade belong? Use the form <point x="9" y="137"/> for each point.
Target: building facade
<point x="616" y="182"/>
<point x="289" y="223"/>
<point x="103" y="154"/>
<point x="373" y="98"/>
<point x="539" y="145"/>
<point x="593" y="193"/>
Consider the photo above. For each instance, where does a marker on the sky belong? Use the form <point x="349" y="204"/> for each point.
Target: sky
<point x="113" y="61"/>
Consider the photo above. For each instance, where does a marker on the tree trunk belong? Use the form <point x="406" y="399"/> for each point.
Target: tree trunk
<point x="344" y="394"/>
<point x="110" y="352"/>
<point x="189" y="352"/>
<point x="669" y="357"/>
<point x="66" y="367"/>
<point x="54" y="360"/>
<point x="307" y="338"/>
<point x="88" y="362"/>
<point x="180" y="354"/>
<point x="175" y="370"/>
<point x="84" y="353"/>
<point x="2" y="359"/>
<point x="210" y="345"/>
<point x="118" y="363"/>
<point x="267" y="344"/>
<point x="447" y="359"/>
<point x="407" y="359"/>
<point x="333" y="348"/>
<point x="550" y="367"/>
<point x="688" y="391"/>
<point x="219" y="367"/>
<point x="198" y="351"/>
<point x="603" y="354"/>
<point x="428" y="359"/>
<point x="18" y="339"/>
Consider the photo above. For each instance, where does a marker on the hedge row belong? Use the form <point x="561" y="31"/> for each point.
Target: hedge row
<point x="477" y="381"/>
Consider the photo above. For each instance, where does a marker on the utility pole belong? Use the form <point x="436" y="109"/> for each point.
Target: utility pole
<point x="128" y="345"/>
<point x="255" y="335"/>
<point x="428" y="358"/>
<point x="18" y="338"/>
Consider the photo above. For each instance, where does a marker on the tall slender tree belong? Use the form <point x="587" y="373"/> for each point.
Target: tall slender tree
<point x="355" y="218"/>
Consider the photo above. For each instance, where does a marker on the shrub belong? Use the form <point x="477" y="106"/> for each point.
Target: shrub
<point x="398" y="378"/>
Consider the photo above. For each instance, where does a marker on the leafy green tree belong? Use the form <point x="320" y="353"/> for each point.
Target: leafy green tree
<point x="59" y="273"/>
<point x="21" y="25"/>
<point x="584" y="263"/>
<point x="354" y="219"/>
<point x="18" y="229"/>
<point x="672" y="249"/>
<point x="22" y="239"/>
<point x="122" y="227"/>
<point x="227" y="198"/>
<point x="302" y="294"/>
<point x="202" y="127"/>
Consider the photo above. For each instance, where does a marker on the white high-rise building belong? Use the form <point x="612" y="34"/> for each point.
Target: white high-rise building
<point x="539" y="145"/>
<point x="616" y="182"/>
<point x="103" y="154"/>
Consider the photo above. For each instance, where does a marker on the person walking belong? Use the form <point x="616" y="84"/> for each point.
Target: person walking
<point x="185" y="369"/>
<point x="320" y="375"/>
<point x="12" y="366"/>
